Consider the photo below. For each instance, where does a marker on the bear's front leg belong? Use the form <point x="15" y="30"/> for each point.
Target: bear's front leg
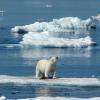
<point x="46" y="74"/>
<point x="54" y="75"/>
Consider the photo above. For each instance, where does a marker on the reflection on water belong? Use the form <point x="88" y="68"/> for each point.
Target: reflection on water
<point x="72" y="91"/>
<point x="30" y="91"/>
<point x="45" y="91"/>
<point x="61" y="52"/>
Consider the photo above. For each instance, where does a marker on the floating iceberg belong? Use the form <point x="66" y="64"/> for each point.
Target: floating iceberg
<point x="58" y="25"/>
<point x="46" y="40"/>
<point x="40" y="33"/>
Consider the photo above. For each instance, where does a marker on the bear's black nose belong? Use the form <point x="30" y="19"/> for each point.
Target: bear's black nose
<point x="56" y="57"/>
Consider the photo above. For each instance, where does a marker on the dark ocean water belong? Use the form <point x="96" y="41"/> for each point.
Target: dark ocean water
<point x="73" y="62"/>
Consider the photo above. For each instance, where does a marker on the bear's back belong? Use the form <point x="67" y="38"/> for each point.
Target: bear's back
<point x="42" y="64"/>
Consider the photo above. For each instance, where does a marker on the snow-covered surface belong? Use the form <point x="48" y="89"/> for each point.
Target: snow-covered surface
<point x="60" y="98"/>
<point x="52" y="98"/>
<point x="58" y="81"/>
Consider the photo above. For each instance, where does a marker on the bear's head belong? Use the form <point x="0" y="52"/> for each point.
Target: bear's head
<point x="53" y="59"/>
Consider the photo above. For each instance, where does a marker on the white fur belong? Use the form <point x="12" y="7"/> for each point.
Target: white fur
<point x="45" y="67"/>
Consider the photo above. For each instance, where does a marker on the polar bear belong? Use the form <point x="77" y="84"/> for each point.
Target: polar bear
<point x="46" y="67"/>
